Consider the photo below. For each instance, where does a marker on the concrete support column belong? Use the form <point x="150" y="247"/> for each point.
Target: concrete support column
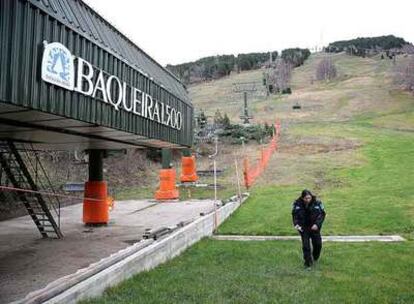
<point x="96" y="165"/>
<point x="95" y="203"/>
<point x="186" y="152"/>
<point x="166" y="158"/>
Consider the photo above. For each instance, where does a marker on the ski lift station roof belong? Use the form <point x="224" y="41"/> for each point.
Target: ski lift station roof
<point x="71" y="80"/>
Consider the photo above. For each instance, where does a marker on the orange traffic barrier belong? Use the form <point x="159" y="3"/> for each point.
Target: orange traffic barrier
<point x="188" y="169"/>
<point x="95" y="203"/>
<point x="251" y="173"/>
<point x="168" y="189"/>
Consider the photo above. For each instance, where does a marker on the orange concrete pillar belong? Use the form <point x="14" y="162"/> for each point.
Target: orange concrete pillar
<point x="188" y="169"/>
<point x="168" y="189"/>
<point x="95" y="203"/>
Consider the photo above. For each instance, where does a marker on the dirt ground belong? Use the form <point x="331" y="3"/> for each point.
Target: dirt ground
<point x="28" y="262"/>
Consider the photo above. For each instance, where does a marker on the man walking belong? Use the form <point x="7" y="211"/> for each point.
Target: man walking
<point x="308" y="215"/>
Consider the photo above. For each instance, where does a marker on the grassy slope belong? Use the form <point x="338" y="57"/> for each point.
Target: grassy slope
<point x="270" y="272"/>
<point x="353" y="143"/>
<point x="366" y="184"/>
<point x="374" y="198"/>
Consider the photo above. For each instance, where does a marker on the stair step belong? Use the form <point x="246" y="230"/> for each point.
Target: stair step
<point x="34" y="205"/>
<point x="19" y="167"/>
<point x="50" y="231"/>
<point x="36" y="211"/>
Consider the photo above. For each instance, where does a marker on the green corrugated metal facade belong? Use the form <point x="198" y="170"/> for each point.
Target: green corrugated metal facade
<point x="25" y="24"/>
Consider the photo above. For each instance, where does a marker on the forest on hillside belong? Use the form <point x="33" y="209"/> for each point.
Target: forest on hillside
<point x="364" y="46"/>
<point x="215" y="67"/>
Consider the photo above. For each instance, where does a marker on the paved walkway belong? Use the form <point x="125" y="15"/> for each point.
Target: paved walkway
<point x="28" y="262"/>
<point x="327" y="238"/>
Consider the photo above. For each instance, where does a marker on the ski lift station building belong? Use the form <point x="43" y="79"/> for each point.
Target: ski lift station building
<point x="70" y="80"/>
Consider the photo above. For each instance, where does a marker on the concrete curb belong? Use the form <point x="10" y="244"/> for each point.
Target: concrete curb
<point x="144" y="255"/>
<point x="328" y="238"/>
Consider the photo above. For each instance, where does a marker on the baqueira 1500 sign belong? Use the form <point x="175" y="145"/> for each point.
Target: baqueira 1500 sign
<point x="58" y="68"/>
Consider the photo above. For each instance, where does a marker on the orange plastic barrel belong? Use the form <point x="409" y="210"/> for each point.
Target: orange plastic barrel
<point x="188" y="169"/>
<point x="95" y="203"/>
<point x="168" y="189"/>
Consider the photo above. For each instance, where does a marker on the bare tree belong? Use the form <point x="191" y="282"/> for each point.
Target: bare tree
<point x="279" y="76"/>
<point x="404" y="74"/>
<point x="326" y="69"/>
<point x="408" y="48"/>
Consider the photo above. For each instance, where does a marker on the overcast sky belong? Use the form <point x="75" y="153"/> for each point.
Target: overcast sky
<point x="177" y="31"/>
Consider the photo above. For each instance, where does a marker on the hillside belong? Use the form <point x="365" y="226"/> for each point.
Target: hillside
<point x="364" y="86"/>
<point x="363" y="93"/>
<point x="216" y="67"/>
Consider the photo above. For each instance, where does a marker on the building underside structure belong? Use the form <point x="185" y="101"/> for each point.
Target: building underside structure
<point x="71" y="81"/>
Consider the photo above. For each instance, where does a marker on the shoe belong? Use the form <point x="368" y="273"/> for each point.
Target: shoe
<point x="307" y="264"/>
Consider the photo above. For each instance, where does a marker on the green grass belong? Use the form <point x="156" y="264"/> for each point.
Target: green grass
<point x="271" y="272"/>
<point x="374" y="198"/>
<point x="135" y="193"/>
<point x="224" y="192"/>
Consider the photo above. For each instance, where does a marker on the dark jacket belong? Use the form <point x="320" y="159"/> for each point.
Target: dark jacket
<point x="307" y="216"/>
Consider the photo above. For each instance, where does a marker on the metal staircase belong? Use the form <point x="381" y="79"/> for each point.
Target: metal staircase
<point x="21" y="169"/>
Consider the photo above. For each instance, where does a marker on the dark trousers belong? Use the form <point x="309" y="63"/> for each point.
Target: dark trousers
<point x="308" y="236"/>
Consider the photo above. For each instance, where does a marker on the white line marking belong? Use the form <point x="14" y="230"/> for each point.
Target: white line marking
<point x="328" y="238"/>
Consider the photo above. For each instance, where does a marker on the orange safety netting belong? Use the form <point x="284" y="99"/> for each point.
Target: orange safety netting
<point x="251" y="173"/>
